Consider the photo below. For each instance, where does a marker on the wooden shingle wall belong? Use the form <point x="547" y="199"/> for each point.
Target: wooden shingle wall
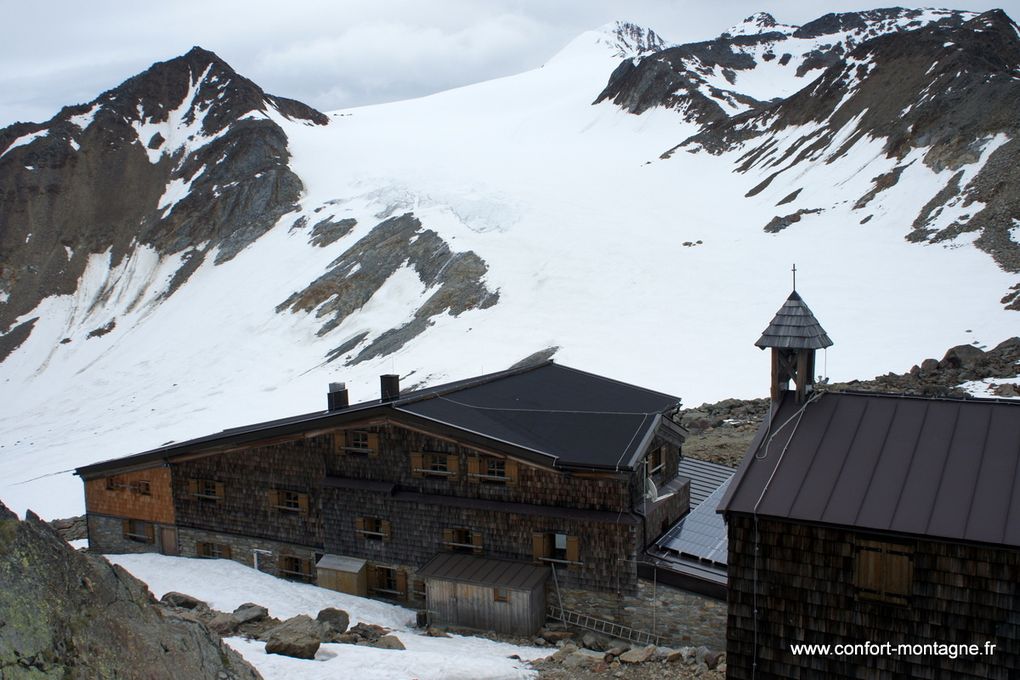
<point x="250" y="481"/>
<point x="529" y="484"/>
<point x="123" y="495"/>
<point x="417" y="534"/>
<point x="806" y="592"/>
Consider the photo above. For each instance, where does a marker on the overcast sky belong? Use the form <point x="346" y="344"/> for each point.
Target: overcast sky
<point x="335" y="53"/>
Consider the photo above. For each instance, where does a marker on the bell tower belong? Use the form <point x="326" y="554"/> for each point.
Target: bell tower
<point x="793" y="336"/>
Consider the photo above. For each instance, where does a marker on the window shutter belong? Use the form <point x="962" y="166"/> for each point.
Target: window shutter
<point x="225" y="551"/>
<point x="385" y="528"/>
<point x="219" y="489"/>
<point x="868" y="569"/>
<point x="126" y="525"/>
<point x="573" y="549"/>
<point x="453" y="465"/>
<point x="897" y="574"/>
<point x="359" y="524"/>
<point x="150" y="532"/>
<point x="193" y="487"/>
<point x="274" y="498"/>
<point x="538" y="545"/>
<point x="303" y="503"/>
<point x="373" y="443"/>
<point x="476" y="541"/>
<point x="339" y="442"/>
<point x="472" y="468"/>
<point x="401" y="581"/>
<point x="447" y="539"/>
<point x="416" y="465"/>
<point x="511" y="471"/>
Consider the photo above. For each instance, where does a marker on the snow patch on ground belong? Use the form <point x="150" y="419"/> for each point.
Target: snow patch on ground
<point x="225" y="585"/>
<point x="23" y="140"/>
<point x="985" y="387"/>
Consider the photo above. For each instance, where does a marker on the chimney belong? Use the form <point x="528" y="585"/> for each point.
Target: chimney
<point x="389" y="387"/>
<point x="337" y="398"/>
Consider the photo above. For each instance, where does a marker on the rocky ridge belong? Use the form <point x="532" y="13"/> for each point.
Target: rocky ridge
<point x="184" y="158"/>
<point x="68" y="614"/>
<point x="721" y="432"/>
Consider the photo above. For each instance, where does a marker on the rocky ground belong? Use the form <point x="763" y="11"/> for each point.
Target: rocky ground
<point x="721" y="432"/>
<point x="67" y="614"/>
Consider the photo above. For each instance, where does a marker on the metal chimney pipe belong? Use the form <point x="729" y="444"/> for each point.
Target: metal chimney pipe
<point x="337" y="398"/>
<point x="389" y="387"/>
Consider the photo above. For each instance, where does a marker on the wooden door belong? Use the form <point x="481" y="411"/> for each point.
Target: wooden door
<point x="168" y="540"/>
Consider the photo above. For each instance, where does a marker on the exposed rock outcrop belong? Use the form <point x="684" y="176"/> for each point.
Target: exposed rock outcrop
<point x="67" y="614"/>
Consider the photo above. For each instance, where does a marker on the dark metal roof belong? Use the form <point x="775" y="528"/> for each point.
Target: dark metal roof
<point x="944" y="468"/>
<point x="549" y="413"/>
<point x="705" y="477"/>
<point x="794" y="327"/>
<point x="484" y="571"/>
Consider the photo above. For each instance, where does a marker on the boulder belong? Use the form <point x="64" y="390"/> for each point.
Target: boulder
<point x="712" y="659"/>
<point x="334" y="623"/>
<point x="249" y="613"/>
<point x="223" y="625"/>
<point x="368" y="631"/>
<point x="583" y="658"/>
<point x="182" y="601"/>
<point x="638" y="655"/>
<point x="389" y="642"/>
<point x="962" y="356"/>
<point x="593" y="641"/>
<point x="298" y="637"/>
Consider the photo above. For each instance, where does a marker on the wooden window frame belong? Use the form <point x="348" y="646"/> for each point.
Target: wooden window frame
<point x="139" y="531"/>
<point x="288" y="501"/>
<point x="883" y="570"/>
<point x="388" y="581"/>
<point x="500" y="595"/>
<point x="435" y="464"/>
<point x="656" y="460"/>
<point x="359" y="442"/>
<point x="206" y="489"/>
<point x="142" y="487"/>
<point x="373" y="528"/>
<point x="212" y="551"/>
<point x="463" y="540"/>
<point x="544" y="548"/>
<point x="295" y="568"/>
<point x="481" y="469"/>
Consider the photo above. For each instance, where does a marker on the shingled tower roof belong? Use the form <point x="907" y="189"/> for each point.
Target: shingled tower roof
<point x="794" y="327"/>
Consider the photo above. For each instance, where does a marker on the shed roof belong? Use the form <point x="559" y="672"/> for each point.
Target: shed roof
<point x="552" y="414"/>
<point x="794" y="327"/>
<point x="484" y="571"/>
<point x="341" y="563"/>
<point x="944" y="468"/>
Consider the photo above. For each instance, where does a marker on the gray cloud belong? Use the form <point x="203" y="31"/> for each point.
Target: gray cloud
<point x="333" y="54"/>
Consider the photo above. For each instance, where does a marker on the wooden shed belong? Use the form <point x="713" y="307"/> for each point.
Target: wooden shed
<point x="489" y="594"/>
<point x="345" y="574"/>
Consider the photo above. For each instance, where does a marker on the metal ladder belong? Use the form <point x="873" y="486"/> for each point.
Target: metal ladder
<point x="598" y="625"/>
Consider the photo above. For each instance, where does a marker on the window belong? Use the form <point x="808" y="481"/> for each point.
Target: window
<point x="883" y="571"/>
<point x="492" y="470"/>
<point x="557" y="548"/>
<point x="388" y="581"/>
<point x="500" y="595"/>
<point x="212" y="550"/>
<point x="359" y="442"/>
<point x="462" y="540"/>
<point x="431" y="464"/>
<point x="655" y="460"/>
<point x="288" y="501"/>
<point x="295" y="568"/>
<point x="139" y="531"/>
<point x="142" y="487"/>
<point x="206" y="489"/>
<point x="373" y="528"/>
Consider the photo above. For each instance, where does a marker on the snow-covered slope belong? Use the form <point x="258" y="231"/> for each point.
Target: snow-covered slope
<point x="473" y="228"/>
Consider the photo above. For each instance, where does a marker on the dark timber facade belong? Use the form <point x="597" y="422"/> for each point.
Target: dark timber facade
<point x="546" y="466"/>
<point x="873" y="518"/>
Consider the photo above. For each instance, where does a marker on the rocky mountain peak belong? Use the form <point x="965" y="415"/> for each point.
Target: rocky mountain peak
<point x="631" y="40"/>
<point x="759" y="22"/>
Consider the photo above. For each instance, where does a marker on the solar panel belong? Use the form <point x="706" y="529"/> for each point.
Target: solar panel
<point x="702" y="534"/>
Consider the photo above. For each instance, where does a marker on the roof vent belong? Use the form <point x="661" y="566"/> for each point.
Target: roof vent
<point x="389" y="387"/>
<point x="337" y="397"/>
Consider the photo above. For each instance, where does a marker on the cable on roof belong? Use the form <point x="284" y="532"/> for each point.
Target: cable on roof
<point x="548" y="410"/>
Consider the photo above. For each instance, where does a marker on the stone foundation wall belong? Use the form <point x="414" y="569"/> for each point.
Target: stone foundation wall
<point x="681" y="617"/>
<point x="242" y="548"/>
<point x="106" y="535"/>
